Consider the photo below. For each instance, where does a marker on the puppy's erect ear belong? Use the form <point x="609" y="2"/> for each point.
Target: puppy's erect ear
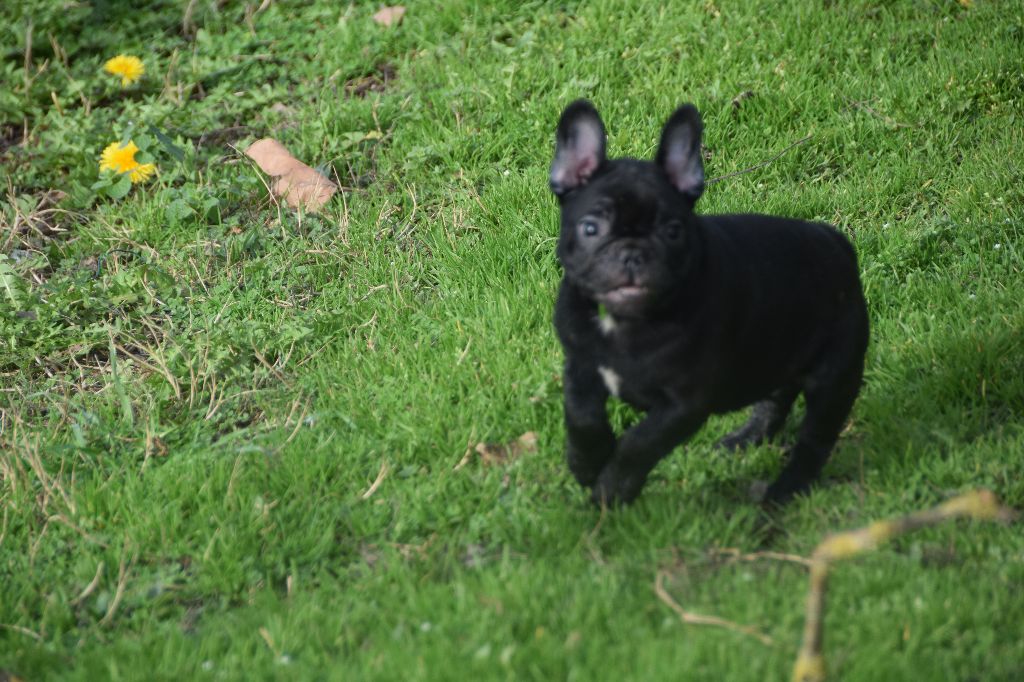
<point x="679" y="151"/>
<point x="579" y="147"/>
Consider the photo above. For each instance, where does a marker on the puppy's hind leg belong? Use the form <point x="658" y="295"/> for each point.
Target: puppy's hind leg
<point x="767" y="417"/>
<point x="828" y="404"/>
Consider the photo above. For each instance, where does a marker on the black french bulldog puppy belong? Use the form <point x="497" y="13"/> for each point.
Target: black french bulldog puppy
<point x="684" y="316"/>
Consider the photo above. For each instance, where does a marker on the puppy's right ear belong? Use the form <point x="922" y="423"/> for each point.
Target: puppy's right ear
<point x="579" y="147"/>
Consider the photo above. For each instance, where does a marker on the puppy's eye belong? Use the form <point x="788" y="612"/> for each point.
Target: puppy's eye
<point x="589" y="228"/>
<point x="672" y="231"/>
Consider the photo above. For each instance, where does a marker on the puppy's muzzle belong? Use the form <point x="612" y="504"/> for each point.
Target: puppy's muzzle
<point x="632" y="258"/>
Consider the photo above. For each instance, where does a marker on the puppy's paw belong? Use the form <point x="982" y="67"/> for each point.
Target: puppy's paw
<point x="784" y="489"/>
<point x="615" y="487"/>
<point x="585" y="471"/>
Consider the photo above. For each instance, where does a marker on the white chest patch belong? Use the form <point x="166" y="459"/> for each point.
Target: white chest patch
<point x="611" y="380"/>
<point x="606" y="324"/>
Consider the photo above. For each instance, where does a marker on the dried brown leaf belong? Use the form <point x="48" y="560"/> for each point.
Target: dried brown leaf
<point x="375" y="81"/>
<point x="390" y="16"/>
<point x="498" y="454"/>
<point x="295" y="182"/>
<point x="738" y="100"/>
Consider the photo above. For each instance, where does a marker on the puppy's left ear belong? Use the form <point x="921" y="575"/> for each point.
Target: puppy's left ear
<point x="679" y="151"/>
<point x="579" y="147"/>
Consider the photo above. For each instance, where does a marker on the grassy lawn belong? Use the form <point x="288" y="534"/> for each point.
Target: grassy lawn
<point x="231" y="434"/>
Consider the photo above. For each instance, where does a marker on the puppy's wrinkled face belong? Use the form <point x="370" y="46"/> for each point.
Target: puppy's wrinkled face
<point x="624" y="222"/>
<point x="623" y="236"/>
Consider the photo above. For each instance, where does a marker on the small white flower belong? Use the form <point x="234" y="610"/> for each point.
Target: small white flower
<point x="997" y="246"/>
<point x="207" y="666"/>
<point x="425" y="626"/>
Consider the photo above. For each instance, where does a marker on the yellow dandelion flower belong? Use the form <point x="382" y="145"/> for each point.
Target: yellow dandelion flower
<point x="121" y="159"/>
<point x="129" y="68"/>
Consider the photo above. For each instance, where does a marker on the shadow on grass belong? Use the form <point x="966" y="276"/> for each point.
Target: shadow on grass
<point x="925" y="416"/>
<point x="934" y="401"/>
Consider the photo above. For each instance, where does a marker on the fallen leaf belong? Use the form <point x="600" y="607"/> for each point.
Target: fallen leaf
<point x="493" y="454"/>
<point x="737" y="101"/>
<point x="159" y="447"/>
<point x="375" y="81"/>
<point x="298" y="184"/>
<point x="390" y="16"/>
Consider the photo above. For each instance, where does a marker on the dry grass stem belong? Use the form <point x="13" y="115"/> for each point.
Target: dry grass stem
<point x="698" y="619"/>
<point x="737" y="555"/>
<point x="23" y="630"/>
<point x="122" y="582"/>
<point x="384" y="468"/>
<point x="758" y="166"/>
<point x="91" y="587"/>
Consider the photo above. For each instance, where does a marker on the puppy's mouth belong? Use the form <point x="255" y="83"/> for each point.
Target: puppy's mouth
<point x="624" y="295"/>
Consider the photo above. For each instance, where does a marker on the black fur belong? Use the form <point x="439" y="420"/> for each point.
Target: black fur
<point x="686" y="316"/>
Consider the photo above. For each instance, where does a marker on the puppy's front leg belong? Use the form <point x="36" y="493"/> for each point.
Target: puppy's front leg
<point x="590" y="440"/>
<point x="640" y="448"/>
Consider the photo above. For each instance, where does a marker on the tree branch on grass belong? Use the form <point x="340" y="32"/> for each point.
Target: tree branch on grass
<point x="979" y="504"/>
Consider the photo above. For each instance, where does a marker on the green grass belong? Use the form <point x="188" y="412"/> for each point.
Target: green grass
<point x="197" y="389"/>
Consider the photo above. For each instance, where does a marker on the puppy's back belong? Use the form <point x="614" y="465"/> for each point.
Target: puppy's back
<point x="787" y="252"/>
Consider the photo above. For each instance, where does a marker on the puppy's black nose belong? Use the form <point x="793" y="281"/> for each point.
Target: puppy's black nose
<point x="631" y="257"/>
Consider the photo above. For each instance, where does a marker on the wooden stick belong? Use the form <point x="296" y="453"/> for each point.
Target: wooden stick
<point x="810" y="663"/>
